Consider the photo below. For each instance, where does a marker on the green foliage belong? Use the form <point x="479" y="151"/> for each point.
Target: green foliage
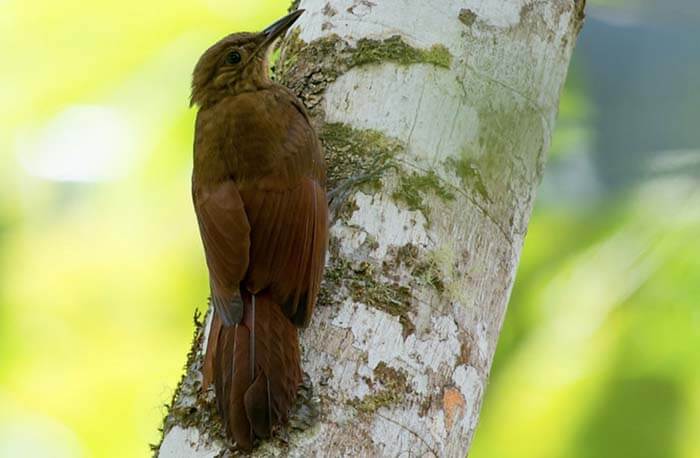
<point x="99" y="279"/>
<point x="573" y="131"/>
<point x="598" y="352"/>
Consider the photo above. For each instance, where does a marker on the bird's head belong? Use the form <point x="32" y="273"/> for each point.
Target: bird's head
<point x="236" y="63"/>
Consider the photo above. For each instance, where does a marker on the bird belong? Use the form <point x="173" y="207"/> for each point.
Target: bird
<point x="258" y="188"/>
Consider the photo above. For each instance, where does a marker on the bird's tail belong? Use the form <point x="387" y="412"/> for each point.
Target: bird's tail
<point x="255" y="369"/>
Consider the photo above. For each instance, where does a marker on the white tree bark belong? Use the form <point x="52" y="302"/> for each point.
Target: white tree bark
<point x="452" y="104"/>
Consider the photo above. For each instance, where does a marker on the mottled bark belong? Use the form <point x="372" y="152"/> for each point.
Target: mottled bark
<point x="436" y="116"/>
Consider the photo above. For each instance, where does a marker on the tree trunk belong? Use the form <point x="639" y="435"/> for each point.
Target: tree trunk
<point x="435" y="116"/>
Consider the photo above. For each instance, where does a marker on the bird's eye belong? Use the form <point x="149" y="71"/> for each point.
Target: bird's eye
<point x="233" y="57"/>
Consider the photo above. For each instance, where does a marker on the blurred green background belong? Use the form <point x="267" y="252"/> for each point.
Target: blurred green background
<point x="101" y="268"/>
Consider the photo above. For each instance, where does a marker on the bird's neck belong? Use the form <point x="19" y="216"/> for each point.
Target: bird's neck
<point x="252" y="83"/>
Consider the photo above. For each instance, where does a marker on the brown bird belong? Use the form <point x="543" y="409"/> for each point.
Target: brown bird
<point x="258" y="187"/>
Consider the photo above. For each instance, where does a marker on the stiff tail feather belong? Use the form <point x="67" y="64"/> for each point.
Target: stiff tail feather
<point x="255" y="384"/>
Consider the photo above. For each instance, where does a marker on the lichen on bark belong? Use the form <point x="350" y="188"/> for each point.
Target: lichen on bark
<point x="469" y="174"/>
<point x="308" y="68"/>
<point x="356" y="152"/>
<point x="364" y="283"/>
<point x="390" y="386"/>
<point x="413" y="189"/>
<point x="467" y="17"/>
<point x="396" y="50"/>
<point x="190" y="406"/>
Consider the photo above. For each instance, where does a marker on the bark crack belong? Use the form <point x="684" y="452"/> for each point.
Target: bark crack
<point x="402" y="426"/>
<point x="455" y="117"/>
<point x="388" y="29"/>
<point x="415" y="119"/>
<point x="539" y="109"/>
<point x="470" y="198"/>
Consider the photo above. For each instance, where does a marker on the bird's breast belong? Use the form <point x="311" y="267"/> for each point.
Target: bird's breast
<point x="256" y="138"/>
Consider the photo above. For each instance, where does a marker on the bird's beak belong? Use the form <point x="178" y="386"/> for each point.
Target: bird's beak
<point x="278" y="28"/>
<point x="274" y="31"/>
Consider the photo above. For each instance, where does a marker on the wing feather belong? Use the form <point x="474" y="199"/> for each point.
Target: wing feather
<point x="225" y="233"/>
<point x="288" y="246"/>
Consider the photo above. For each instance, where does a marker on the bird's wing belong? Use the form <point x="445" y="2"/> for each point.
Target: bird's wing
<point x="225" y="232"/>
<point x="288" y="245"/>
<point x="286" y="204"/>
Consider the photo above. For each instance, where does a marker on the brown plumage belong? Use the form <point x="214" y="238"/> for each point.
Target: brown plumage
<point x="259" y="195"/>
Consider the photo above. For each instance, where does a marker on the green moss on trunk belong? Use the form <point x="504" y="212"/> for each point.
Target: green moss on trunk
<point x="308" y="68"/>
<point x="396" y="50"/>
<point x="354" y="152"/>
<point x="413" y="190"/>
<point x="394" y="387"/>
<point x="469" y="174"/>
<point x="363" y="283"/>
<point x="189" y="405"/>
